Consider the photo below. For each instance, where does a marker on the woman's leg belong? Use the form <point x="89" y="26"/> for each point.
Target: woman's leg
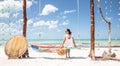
<point x="68" y="53"/>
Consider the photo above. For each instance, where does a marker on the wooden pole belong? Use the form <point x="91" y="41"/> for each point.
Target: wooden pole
<point x="26" y="54"/>
<point x="92" y="49"/>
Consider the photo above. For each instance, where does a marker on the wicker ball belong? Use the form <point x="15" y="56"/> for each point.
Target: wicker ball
<point x="16" y="47"/>
<point x="61" y="51"/>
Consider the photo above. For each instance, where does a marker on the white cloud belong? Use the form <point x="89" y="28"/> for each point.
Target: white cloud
<point x="119" y="19"/>
<point x="69" y="11"/>
<point x="109" y="18"/>
<point x="7" y="6"/>
<point x="48" y="9"/>
<point x="19" y="21"/>
<point x="34" y="1"/>
<point x="9" y="28"/>
<point x="50" y="24"/>
<point x="4" y="15"/>
<point x="64" y="17"/>
<point x="66" y="22"/>
<point x="16" y="31"/>
<point x="39" y="33"/>
<point x="12" y="24"/>
<point x="30" y="21"/>
<point x="39" y="23"/>
<point x="119" y="14"/>
<point x="3" y="25"/>
<point x="58" y="30"/>
<point x="15" y="15"/>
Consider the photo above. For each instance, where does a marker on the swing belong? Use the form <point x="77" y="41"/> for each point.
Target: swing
<point x="51" y="49"/>
<point x="45" y="48"/>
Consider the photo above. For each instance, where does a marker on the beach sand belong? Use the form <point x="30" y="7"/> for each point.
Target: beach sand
<point x="79" y="57"/>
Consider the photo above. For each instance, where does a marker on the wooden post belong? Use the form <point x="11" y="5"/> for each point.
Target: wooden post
<point x="25" y="25"/>
<point x="92" y="49"/>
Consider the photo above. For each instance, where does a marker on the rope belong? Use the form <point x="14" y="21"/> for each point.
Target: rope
<point x="39" y="11"/>
<point x="39" y="5"/>
<point x="78" y="19"/>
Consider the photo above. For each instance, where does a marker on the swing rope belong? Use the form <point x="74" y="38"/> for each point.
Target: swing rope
<point x="39" y="11"/>
<point x="78" y="19"/>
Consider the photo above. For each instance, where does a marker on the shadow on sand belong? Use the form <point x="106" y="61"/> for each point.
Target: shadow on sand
<point x="51" y="58"/>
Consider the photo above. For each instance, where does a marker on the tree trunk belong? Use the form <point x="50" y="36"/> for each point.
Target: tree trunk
<point x="25" y="25"/>
<point x="109" y="37"/>
<point x="92" y="49"/>
<point x="25" y="18"/>
<point x="108" y="24"/>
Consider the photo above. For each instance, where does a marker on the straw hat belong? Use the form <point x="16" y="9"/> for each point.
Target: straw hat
<point x="16" y="47"/>
<point x="61" y="51"/>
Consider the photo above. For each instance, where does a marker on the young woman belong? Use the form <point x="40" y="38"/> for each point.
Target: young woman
<point x="68" y="42"/>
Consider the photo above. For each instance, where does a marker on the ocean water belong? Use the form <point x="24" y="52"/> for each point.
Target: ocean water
<point x="59" y="41"/>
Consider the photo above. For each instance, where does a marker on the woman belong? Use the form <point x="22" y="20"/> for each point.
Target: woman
<point x="68" y="42"/>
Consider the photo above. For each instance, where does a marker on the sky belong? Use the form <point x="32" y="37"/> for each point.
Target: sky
<point x="48" y="19"/>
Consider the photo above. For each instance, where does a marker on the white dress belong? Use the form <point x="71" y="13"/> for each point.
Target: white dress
<point x="69" y="42"/>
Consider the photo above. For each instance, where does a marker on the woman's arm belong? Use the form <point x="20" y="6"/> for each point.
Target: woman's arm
<point x="63" y="42"/>
<point x="74" y="42"/>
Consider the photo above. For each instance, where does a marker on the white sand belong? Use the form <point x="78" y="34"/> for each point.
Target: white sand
<point x="79" y="58"/>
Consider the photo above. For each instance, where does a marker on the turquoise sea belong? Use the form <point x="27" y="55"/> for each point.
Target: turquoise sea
<point x="59" y="41"/>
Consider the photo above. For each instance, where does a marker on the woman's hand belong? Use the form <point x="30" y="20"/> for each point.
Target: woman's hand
<point x="74" y="43"/>
<point x="63" y="42"/>
<point x="62" y="46"/>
